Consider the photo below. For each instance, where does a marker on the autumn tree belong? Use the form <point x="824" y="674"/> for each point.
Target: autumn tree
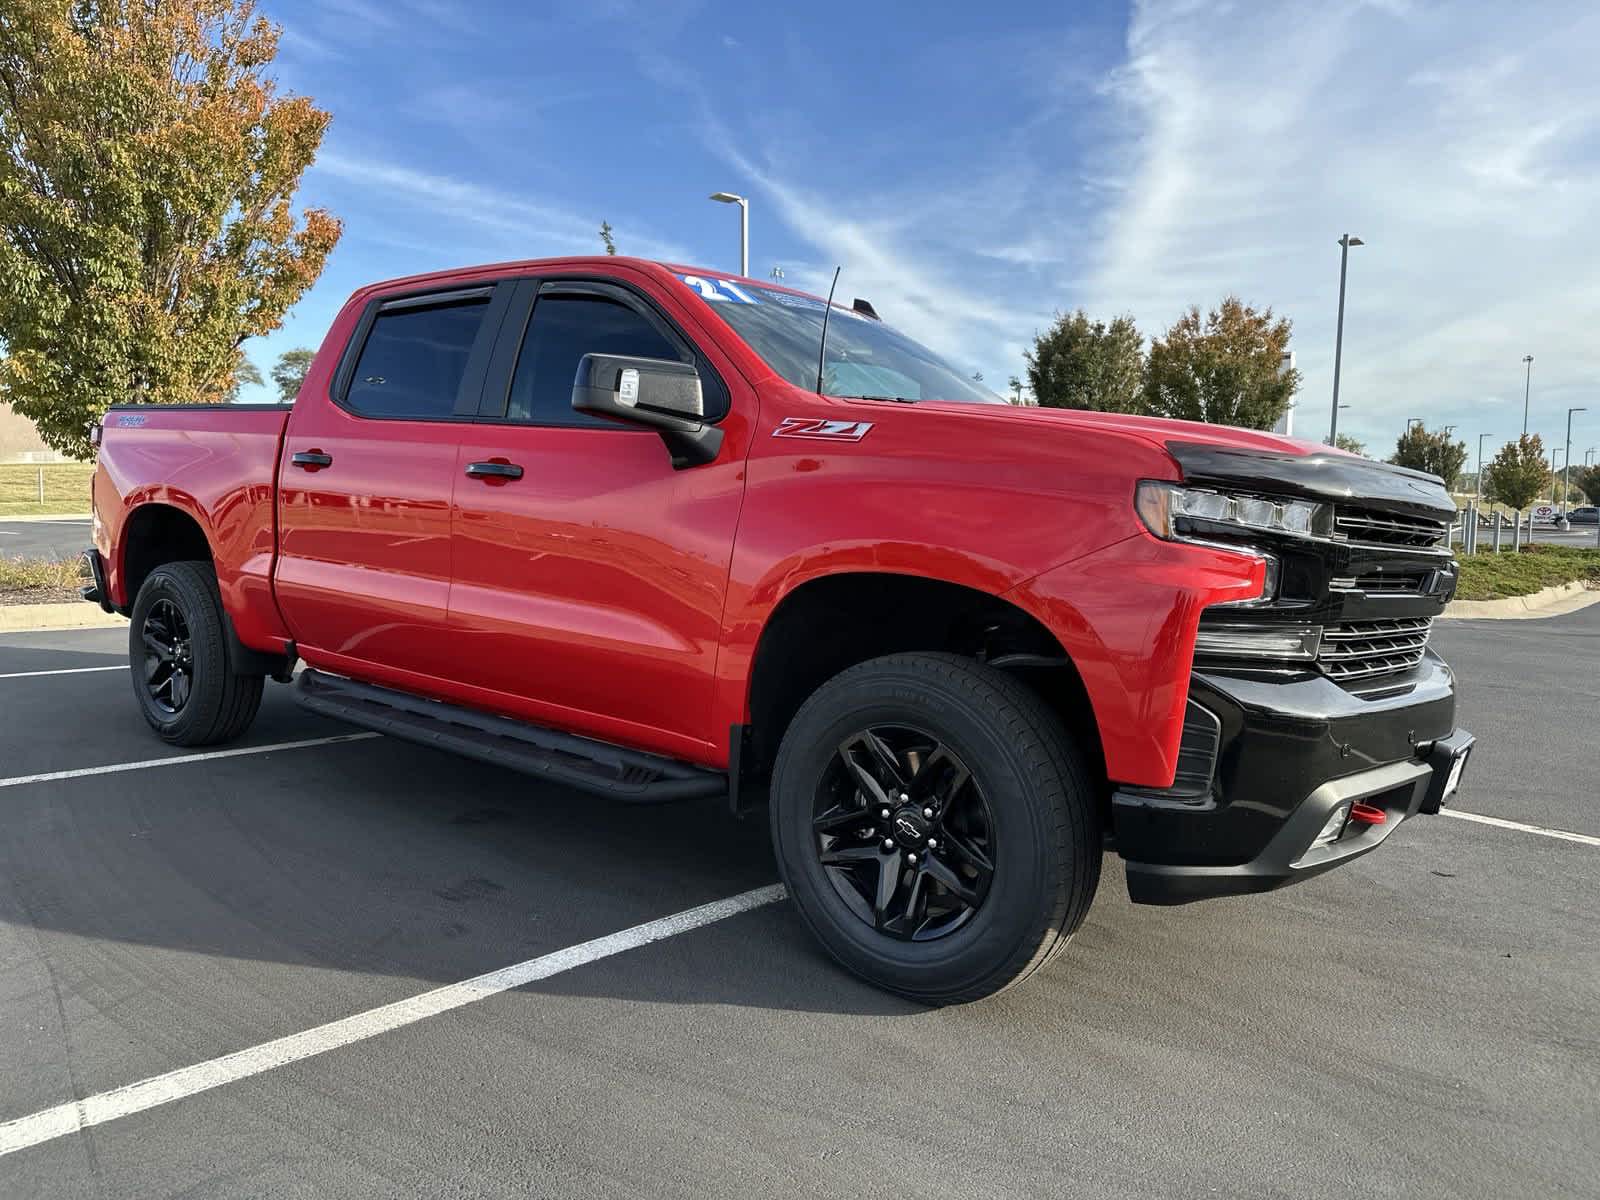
<point x="1345" y="442"/>
<point x="148" y="167"/>
<point x="245" y="372"/>
<point x="1226" y="367"/>
<point x="1588" y="480"/>
<point x="1079" y="363"/>
<point x="1519" y="473"/>
<point x="1433" y="451"/>
<point x="606" y="238"/>
<point x="289" y="372"/>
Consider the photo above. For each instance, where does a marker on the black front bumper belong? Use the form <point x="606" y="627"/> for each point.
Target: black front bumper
<point x="1291" y="754"/>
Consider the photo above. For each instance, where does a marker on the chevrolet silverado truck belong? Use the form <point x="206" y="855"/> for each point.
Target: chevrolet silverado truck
<point x="663" y="533"/>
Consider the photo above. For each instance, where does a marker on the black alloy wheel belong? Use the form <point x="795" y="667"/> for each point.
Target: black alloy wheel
<point x="904" y="833"/>
<point x="168" y="657"/>
<point x="183" y="672"/>
<point x="936" y="824"/>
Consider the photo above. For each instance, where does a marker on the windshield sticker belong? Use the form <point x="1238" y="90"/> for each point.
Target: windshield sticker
<point x="718" y="289"/>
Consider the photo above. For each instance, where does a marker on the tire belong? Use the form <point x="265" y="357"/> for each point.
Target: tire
<point x="180" y="608"/>
<point x="1030" y="812"/>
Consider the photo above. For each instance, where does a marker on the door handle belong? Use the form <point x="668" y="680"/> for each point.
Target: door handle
<point x="312" y="460"/>
<point x="494" y="470"/>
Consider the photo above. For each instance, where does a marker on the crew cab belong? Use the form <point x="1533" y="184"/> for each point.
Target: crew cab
<point x="667" y="534"/>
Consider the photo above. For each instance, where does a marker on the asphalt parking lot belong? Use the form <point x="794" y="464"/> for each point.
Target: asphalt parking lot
<point x="56" y="537"/>
<point x="1423" y="1022"/>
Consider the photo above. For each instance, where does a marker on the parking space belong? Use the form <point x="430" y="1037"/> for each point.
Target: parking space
<point x="1419" y="1023"/>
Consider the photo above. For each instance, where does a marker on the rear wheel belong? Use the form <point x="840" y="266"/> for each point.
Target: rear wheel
<point x="935" y="825"/>
<point x="178" y="649"/>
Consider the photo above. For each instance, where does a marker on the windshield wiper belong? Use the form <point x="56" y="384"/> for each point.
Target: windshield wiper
<point x="888" y="399"/>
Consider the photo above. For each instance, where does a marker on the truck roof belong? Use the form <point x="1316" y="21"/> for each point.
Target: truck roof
<point x="580" y="261"/>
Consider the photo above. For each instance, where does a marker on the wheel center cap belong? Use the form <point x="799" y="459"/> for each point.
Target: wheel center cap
<point x="910" y="828"/>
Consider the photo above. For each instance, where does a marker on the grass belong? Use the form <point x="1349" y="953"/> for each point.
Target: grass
<point x="1490" y="576"/>
<point x="38" y="580"/>
<point x="66" y="489"/>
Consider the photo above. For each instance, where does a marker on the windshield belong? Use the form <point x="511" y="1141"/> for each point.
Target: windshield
<point x="866" y="358"/>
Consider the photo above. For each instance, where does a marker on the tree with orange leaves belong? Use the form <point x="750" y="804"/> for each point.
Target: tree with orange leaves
<point x="148" y="167"/>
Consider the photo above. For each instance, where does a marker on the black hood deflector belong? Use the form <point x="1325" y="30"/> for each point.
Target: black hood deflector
<point x="1339" y="478"/>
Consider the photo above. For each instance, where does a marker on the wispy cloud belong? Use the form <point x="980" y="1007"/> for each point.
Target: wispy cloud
<point x="1462" y="144"/>
<point x="534" y="229"/>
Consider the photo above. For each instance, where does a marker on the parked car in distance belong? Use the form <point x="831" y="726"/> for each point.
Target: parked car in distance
<point x="663" y="534"/>
<point x="1587" y="515"/>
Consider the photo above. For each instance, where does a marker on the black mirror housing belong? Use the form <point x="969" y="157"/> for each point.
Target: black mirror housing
<point x="656" y="393"/>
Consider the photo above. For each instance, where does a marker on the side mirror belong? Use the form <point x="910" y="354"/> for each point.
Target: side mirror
<point x="656" y="393"/>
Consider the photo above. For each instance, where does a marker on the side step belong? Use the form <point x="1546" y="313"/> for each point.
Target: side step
<point x="564" y="758"/>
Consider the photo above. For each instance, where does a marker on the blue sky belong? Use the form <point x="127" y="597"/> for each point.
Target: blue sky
<point x="975" y="168"/>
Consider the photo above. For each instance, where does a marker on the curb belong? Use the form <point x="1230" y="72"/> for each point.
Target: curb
<point x="1549" y="602"/>
<point x="48" y="517"/>
<point x="73" y="614"/>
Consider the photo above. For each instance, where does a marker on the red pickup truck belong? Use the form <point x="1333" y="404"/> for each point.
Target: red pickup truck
<point x="663" y="534"/>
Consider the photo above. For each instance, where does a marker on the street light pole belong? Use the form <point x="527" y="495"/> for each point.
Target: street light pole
<point x="1527" y="386"/>
<point x="1479" y="497"/>
<point x="744" y="228"/>
<point x="1345" y="242"/>
<point x="1566" y="466"/>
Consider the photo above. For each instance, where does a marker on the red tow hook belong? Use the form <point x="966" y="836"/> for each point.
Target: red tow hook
<point x="1367" y="815"/>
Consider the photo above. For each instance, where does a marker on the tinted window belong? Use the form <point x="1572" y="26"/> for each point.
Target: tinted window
<point x="413" y="361"/>
<point x="562" y="330"/>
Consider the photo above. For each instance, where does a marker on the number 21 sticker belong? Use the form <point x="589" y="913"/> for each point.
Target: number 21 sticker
<point x="719" y="289"/>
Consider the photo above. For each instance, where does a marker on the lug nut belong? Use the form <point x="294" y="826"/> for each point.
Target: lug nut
<point x="911" y="858"/>
<point x="904" y="799"/>
<point x="888" y="844"/>
<point x="928" y="812"/>
<point x="933" y="843"/>
<point x="884" y="813"/>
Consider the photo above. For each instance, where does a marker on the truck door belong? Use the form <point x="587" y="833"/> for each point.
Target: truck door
<point x="363" y="575"/>
<point x="589" y="574"/>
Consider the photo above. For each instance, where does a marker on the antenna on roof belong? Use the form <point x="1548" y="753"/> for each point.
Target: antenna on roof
<point x="822" y="350"/>
<point x="864" y="307"/>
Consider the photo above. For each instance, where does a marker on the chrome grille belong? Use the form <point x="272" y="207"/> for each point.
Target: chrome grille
<point x="1366" y="527"/>
<point x="1364" y="649"/>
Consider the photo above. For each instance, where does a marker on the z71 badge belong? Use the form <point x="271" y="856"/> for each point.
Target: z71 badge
<point x="827" y="431"/>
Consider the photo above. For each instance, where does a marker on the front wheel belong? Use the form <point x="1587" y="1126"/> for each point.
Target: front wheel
<point x="178" y="649"/>
<point x="935" y="825"/>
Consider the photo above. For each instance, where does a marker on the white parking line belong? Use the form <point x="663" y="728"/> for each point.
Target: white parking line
<point x="62" y="671"/>
<point x="186" y="1081"/>
<point x="180" y="759"/>
<point x="1583" y="839"/>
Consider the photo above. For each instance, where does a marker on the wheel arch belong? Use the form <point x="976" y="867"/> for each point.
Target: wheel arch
<point x="153" y="534"/>
<point x="833" y="621"/>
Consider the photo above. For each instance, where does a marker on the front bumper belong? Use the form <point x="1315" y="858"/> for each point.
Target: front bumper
<point x="1290" y="756"/>
<point x="96" y="592"/>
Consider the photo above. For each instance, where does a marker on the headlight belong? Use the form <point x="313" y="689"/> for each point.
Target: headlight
<point x="1178" y="514"/>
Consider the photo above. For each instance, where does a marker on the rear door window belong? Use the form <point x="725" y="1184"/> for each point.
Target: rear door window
<point x="414" y="360"/>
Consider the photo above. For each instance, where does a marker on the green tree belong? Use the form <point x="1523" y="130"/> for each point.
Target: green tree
<point x="1587" y="479"/>
<point x="289" y="372"/>
<point x="1519" y="473"/>
<point x="1433" y="451"/>
<point x="245" y="372"/>
<point x="1079" y="363"/>
<point x="1226" y="368"/>
<point x="606" y="239"/>
<point x="1015" y="385"/>
<point x="148" y="168"/>
<point x="1345" y="442"/>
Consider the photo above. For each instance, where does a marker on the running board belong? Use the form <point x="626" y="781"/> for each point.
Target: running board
<point x="564" y="758"/>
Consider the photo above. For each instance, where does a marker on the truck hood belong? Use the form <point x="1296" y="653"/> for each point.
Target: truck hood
<point x="1248" y="459"/>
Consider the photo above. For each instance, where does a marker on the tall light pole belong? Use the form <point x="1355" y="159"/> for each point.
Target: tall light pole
<point x="1588" y="455"/>
<point x="1527" y="386"/>
<point x="744" y="228"/>
<point x="1410" y="421"/>
<point x="1479" y="498"/>
<point x="1566" y="465"/>
<point x="1345" y="242"/>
